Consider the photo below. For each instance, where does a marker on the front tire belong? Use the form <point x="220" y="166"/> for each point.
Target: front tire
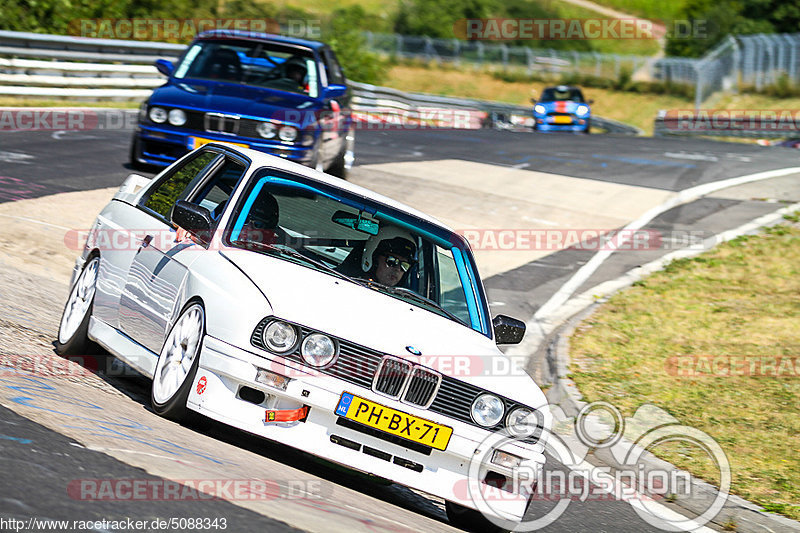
<point x="472" y="520"/>
<point x="344" y="161"/>
<point x="73" y="338"/>
<point x="177" y="364"/>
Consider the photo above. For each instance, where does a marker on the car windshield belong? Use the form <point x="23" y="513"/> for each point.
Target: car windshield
<point x="257" y="63"/>
<point x="348" y="236"/>
<point x="554" y="94"/>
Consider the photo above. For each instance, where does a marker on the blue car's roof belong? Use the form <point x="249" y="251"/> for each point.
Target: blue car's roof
<point x="255" y="36"/>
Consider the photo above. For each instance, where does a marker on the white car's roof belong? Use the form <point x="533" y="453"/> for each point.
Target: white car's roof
<point x="260" y="159"/>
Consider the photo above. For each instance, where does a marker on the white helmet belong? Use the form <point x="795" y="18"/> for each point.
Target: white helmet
<point x="385" y="233"/>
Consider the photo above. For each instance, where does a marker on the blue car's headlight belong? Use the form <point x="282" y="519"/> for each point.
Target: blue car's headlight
<point x="539" y="109"/>
<point x="287" y="133"/>
<point x="266" y="130"/>
<point x="582" y="110"/>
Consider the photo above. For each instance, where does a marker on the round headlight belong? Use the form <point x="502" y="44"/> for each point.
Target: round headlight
<point x="279" y="337"/>
<point x="158" y="115"/>
<point x="266" y="130"/>
<point x="177" y="117"/>
<point x="582" y="109"/>
<point x="287" y="133"/>
<point x="318" y="350"/>
<point x="522" y="421"/>
<point x="539" y="109"/>
<point x="487" y="410"/>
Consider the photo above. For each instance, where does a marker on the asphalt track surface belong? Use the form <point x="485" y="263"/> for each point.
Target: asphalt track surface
<point x="41" y="462"/>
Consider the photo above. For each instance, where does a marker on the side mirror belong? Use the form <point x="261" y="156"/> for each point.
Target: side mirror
<point x="508" y="330"/>
<point x="590" y="101"/>
<point x="165" y="67"/>
<point x="335" y="91"/>
<point x="194" y="219"/>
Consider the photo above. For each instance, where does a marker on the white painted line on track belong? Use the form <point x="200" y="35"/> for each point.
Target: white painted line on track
<point x="688" y="195"/>
<point x="34" y="221"/>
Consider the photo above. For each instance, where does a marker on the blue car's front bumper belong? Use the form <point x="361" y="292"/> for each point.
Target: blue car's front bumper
<point x="161" y="146"/>
<point x="544" y="123"/>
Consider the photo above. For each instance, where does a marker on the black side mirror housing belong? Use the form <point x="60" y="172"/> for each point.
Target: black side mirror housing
<point x="508" y="330"/>
<point x="194" y="219"/>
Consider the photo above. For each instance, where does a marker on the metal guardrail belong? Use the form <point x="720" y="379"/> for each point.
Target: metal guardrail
<point x="106" y="69"/>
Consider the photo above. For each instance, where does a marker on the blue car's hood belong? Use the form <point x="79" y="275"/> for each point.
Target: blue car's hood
<point x="232" y="98"/>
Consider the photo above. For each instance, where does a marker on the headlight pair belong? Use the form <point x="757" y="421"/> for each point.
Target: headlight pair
<point x="316" y="349"/>
<point x="488" y="411"/>
<point x="269" y="130"/>
<point x="159" y="115"/>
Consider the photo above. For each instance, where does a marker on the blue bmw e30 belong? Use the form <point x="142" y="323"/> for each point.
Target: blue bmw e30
<point x="283" y="96"/>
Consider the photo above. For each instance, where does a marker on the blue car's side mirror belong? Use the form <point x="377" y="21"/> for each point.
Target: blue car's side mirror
<point x="335" y="91"/>
<point x="165" y="67"/>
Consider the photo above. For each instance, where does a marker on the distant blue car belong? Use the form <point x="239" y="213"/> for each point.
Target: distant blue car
<point x="562" y="108"/>
<point x="285" y="97"/>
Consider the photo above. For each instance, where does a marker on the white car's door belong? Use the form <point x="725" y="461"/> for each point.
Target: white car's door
<point x="151" y="296"/>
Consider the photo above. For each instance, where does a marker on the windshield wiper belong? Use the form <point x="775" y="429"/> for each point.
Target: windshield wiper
<point x="291" y="252"/>
<point x="402" y="291"/>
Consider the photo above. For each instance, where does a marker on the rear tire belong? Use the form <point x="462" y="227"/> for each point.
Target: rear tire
<point x="177" y="364"/>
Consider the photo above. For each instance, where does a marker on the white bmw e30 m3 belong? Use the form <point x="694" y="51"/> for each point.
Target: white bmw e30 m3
<point x="318" y="314"/>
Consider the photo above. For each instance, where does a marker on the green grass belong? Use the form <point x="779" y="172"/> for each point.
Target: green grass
<point x="643" y="47"/>
<point x="663" y="11"/>
<point x="740" y="299"/>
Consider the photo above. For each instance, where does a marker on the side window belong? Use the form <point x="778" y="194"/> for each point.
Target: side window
<point x="335" y="75"/>
<point x="218" y="189"/>
<point x="169" y="191"/>
<point x="451" y="292"/>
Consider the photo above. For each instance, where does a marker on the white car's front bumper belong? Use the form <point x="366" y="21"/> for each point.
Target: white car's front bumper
<point x="226" y="368"/>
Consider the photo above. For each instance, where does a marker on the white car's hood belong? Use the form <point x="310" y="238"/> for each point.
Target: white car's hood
<point x="378" y="321"/>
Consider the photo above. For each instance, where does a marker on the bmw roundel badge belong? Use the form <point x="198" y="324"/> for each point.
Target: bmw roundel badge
<point x="413" y="351"/>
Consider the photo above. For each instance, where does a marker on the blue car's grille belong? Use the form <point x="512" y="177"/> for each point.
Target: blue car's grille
<point x="196" y="120"/>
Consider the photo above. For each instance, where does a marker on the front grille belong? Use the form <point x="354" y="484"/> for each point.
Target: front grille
<point x="391" y="376"/>
<point x="221" y="123"/>
<point x="422" y="387"/>
<point x="359" y="365"/>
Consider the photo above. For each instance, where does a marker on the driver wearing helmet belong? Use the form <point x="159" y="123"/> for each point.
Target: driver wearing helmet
<point x="388" y="256"/>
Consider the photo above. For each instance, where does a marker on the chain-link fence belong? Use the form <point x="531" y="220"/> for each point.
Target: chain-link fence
<point x="757" y="61"/>
<point x="522" y="57"/>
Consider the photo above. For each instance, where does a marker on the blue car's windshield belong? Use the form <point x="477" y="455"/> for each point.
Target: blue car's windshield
<point x="262" y="64"/>
<point x="554" y="94"/>
<point x="327" y="229"/>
